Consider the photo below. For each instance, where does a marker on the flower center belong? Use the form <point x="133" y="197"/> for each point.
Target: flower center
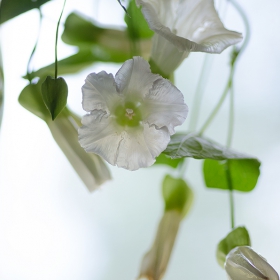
<point x="128" y="115"/>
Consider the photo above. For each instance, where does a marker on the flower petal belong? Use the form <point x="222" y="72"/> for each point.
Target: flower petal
<point x="91" y="168"/>
<point x="197" y="28"/>
<point x="140" y="146"/>
<point x="166" y="55"/>
<point x="135" y="78"/>
<point x="150" y="12"/>
<point x="99" y="92"/>
<point x="130" y="148"/>
<point x="100" y="135"/>
<point x="164" y="106"/>
<point x="243" y="263"/>
<point x="199" y="22"/>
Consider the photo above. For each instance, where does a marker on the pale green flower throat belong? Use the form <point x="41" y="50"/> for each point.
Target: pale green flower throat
<point x="128" y="115"/>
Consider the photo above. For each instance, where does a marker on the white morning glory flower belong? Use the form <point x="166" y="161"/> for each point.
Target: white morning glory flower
<point x="184" y="26"/>
<point x="243" y="263"/>
<point x="131" y="116"/>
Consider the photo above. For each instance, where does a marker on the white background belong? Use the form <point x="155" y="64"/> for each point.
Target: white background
<point x="52" y="228"/>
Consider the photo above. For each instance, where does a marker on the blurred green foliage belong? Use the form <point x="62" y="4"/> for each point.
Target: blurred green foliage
<point x="244" y="174"/>
<point x="12" y="8"/>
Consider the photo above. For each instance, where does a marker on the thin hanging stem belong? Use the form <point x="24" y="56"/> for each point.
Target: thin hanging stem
<point x="183" y="168"/>
<point x="56" y="38"/>
<point x="34" y="48"/>
<point x="231" y="117"/>
<point x="235" y="54"/>
<point x="220" y="103"/>
<point x="200" y="90"/>
<point x="231" y="200"/>
<point x="246" y="24"/>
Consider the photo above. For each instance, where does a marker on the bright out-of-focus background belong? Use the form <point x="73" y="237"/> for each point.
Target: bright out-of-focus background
<point x="52" y="228"/>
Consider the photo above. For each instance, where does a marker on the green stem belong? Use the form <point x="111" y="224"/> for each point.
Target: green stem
<point x="183" y="168"/>
<point x="231" y="117"/>
<point x="200" y="90"/>
<point x="246" y="23"/>
<point x="229" y="181"/>
<point x="56" y="38"/>
<point x="34" y="49"/>
<point x="220" y="103"/>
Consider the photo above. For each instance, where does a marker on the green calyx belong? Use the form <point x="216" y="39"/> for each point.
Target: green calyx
<point x="128" y="115"/>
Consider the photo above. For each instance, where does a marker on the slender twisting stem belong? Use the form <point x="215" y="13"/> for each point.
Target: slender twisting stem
<point x="246" y="23"/>
<point x="236" y="54"/>
<point x="220" y="103"/>
<point x="229" y="181"/>
<point x="56" y="38"/>
<point x="34" y="49"/>
<point x="200" y="90"/>
<point x="231" y="117"/>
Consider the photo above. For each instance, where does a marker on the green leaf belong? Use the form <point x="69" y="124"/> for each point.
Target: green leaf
<point x="137" y="26"/>
<point x="54" y="92"/>
<point x="69" y="65"/>
<point x="31" y="99"/>
<point x="13" y="8"/>
<point x="177" y="194"/>
<point x="166" y="160"/>
<point x="244" y="174"/>
<point x="95" y="44"/>
<point x="79" y="32"/>
<point x="237" y="237"/>
<point x="190" y="145"/>
<point x="81" y="60"/>
<point x="107" y="39"/>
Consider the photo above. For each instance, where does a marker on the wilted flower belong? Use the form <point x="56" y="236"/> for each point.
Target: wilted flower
<point x="178" y="198"/>
<point x="243" y="263"/>
<point x="184" y="26"/>
<point x="131" y="116"/>
<point x="156" y="260"/>
<point x="91" y="168"/>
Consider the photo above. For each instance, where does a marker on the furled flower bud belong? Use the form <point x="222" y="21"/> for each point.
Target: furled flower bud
<point x="243" y="263"/>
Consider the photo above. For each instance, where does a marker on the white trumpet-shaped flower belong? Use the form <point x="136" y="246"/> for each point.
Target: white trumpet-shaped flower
<point x="184" y="26"/>
<point x="131" y="116"/>
<point x="243" y="263"/>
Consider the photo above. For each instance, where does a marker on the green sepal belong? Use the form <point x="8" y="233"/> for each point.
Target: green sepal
<point x="244" y="174"/>
<point x="137" y="26"/>
<point x="237" y="237"/>
<point x="166" y="160"/>
<point x="31" y="99"/>
<point x="177" y="195"/>
<point x="54" y="93"/>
